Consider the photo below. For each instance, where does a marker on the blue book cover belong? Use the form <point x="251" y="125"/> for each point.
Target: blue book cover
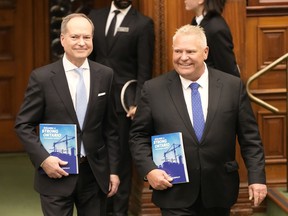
<point x="168" y="154"/>
<point x="60" y="140"/>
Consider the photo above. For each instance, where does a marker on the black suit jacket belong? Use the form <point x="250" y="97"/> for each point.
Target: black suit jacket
<point x="212" y="165"/>
<point x="48" y="100"/>
<point x="220" y="42"/>
<point x="131" y="54"/>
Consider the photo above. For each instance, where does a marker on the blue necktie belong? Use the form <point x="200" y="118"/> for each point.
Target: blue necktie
<point x="81" y="102"/>
<point x="197" y="111"/>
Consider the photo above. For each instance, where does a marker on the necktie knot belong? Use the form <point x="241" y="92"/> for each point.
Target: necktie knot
<point x="79" y="71"/>
<point x="194" y="86"/>
<point x="116" y="12"/>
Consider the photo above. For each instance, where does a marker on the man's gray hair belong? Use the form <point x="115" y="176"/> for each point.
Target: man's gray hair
<point x="66" y="19"/>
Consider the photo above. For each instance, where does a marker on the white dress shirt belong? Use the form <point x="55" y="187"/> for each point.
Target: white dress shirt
<point x="120" y="17"/>
<point x="203" y="91"/>
<point x="73" y="77"/>
<point x="199" y="19"/>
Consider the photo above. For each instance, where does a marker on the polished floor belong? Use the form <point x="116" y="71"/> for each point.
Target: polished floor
<point x="17" y="196"/>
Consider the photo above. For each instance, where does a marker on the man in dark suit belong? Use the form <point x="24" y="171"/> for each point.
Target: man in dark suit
<point x="167" y="106"/>
<point x="51" y="97"/>
<point x="129" y="53"/>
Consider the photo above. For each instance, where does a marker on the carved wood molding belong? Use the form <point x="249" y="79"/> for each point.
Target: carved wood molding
<point x="160" y="62"/>
<point x="260" y="11"/>
<point x="156" y="11"/>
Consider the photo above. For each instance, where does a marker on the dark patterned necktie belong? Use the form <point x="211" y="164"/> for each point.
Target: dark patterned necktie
<point x="111" y="30"/>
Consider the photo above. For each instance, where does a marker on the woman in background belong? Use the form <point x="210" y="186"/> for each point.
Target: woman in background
<point x="219" y="38"/>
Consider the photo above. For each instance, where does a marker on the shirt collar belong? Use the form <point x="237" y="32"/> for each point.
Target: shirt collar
<point x="199" y="19"/>
<point x="68" y="66"/>
<point x="202" y="81"/>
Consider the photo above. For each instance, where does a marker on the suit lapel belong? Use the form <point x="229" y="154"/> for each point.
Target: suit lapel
<point x="129" y="18"/>
<point x="214" y="91"/>
<point x="60" y="83"/>
<point x="100" y="20"/>
<point x="175" y="90"/>
<point x="206" y="19"/>
<point x="215" y="87"/>
<point x="101" y="26"/>
<point x="126" y="23"/>
<point x="95" y="80"/>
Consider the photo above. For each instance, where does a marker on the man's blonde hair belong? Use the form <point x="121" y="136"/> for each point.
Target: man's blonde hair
<point x="192" y="30"/>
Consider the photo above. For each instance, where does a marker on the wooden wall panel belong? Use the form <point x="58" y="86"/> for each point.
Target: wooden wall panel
<point x="6" y="90"/>
<point x="235" y="16"/>
<point x="266" y="41"/>
<point x="272" y="129"/>
<point x="7" y="62"/>
<point x="41" y="21"/>
<point x="15" y="53"/>
<point x="272" y="44"/>
<point x="271" y="36"/>
<point x="273" y="132"/>
<point x="266" y="2"/>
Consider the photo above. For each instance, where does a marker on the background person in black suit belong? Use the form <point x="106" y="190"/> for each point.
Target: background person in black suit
<point x="130" y="55"/>
<point x="219" y="38"/>
<point x="166" y="107"/>
<point x="51" y="98"/>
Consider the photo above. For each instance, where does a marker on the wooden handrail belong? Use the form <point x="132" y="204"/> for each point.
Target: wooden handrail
<point x="260" y="73"/>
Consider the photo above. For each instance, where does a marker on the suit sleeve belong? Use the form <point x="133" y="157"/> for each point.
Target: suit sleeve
<point x="28" y="118"/>
<point x="145" y="51"/>
<point x="111" y="132"/>
<point x="250" y="142"/>
<point x="140" y="135"/>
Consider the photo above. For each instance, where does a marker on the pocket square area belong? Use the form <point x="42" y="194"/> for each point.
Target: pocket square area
<point x="101" y="94"/>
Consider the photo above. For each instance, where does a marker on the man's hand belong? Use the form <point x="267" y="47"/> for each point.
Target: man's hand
<point x="257" y="192"/>
<point x="113" y="186"/>
<point x="159" y="179"/>
<point x="52" y="167"/>
<point x="131" y="112"/>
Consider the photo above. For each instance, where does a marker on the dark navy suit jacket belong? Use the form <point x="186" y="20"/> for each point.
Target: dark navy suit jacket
<point x="131" y="54"/>
<point x="212" y="165"/>
<point x="48" y="100"/>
